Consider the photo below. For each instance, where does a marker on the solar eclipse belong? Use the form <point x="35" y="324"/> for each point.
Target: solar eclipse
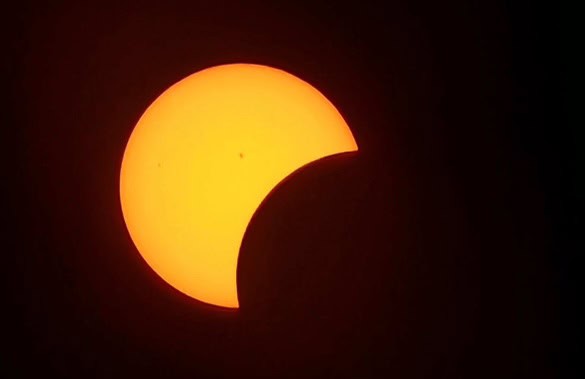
<point x="203" y="157"/>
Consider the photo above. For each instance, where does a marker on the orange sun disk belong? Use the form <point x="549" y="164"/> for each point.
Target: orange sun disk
<point x="203" y="157"/>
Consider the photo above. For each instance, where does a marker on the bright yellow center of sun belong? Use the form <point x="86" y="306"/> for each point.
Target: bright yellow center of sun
<point x="204" y="156"/>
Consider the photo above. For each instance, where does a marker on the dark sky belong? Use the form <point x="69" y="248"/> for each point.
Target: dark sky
<point x="437" y="251"/>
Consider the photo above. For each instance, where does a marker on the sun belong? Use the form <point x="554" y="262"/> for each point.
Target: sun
<point x="202" y="158"/>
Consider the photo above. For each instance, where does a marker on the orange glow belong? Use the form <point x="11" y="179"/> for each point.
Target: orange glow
<point x="204" y="156"/>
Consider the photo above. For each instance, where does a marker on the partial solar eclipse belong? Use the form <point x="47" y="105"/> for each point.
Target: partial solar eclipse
<point x="202" y="158"/>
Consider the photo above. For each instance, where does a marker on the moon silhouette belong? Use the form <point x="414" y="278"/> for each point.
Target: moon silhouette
<point x="203" y="157"/>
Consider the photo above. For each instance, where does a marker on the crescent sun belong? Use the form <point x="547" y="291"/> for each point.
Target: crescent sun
<point x="202" y="158"/>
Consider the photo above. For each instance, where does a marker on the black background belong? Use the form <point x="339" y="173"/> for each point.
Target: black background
<point x="437" y="251"/>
